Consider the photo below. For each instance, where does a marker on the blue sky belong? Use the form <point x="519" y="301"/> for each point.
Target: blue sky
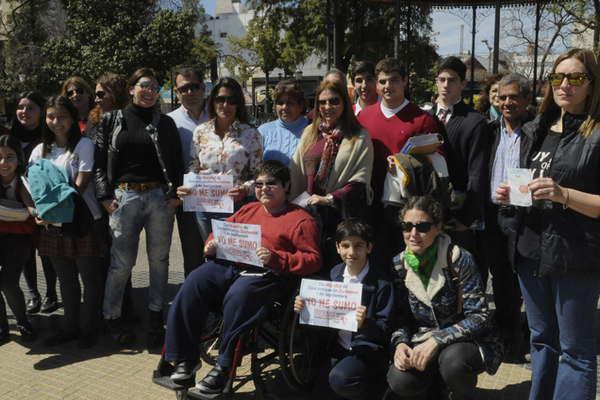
<point x="447" y="27"/>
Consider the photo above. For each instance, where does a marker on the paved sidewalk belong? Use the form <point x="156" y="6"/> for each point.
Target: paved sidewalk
<point x="105" y="372"/>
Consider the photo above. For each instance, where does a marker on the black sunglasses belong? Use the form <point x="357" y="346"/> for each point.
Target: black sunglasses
<point x="229" y="99"/>
<point x="190" y="86"/>
<point x="334" y="101"/>
<point x="71" y="93"/>
<point x="422" y="227"/>
<point x="100" y="94"/>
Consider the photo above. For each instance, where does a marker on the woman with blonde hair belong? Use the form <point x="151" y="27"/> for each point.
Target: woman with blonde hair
<point x="333" y="162"/>
<point x="558" y="238"/>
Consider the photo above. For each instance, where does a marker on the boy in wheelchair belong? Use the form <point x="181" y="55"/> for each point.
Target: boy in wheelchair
<point x="290" y="247"/>
<point x="358" y="360"/>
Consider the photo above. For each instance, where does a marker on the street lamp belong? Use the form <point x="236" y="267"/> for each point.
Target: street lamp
<point x="490" y="48"/>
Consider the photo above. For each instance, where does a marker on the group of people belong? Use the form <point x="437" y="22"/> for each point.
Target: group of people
<point x="87" y="179"/>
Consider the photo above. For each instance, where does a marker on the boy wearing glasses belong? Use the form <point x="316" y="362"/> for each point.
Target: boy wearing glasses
<point x="358" y="359"/>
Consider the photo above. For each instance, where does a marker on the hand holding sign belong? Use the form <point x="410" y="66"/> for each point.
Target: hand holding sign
<point x="237" y="242"/>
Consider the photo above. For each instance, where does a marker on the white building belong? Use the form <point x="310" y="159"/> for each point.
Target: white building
<point x="231" y="20"/>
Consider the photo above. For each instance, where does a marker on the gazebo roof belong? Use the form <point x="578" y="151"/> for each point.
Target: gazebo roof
<point x="465" y="3"/>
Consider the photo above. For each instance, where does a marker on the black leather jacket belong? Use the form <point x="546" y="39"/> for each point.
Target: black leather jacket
<point x="166" y="142"/>
<point x="569" y="241"/>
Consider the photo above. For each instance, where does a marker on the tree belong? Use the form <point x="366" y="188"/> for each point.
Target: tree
<point x="363" y="31"/>
<point x="105" y="35"/>
<point x="558" y="24"/>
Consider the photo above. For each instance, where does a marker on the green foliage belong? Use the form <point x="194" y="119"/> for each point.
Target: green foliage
<point x="106" y="35"/>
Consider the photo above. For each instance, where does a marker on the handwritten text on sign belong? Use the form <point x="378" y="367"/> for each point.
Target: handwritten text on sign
<point x="237" y="242"/>
<point x="209" y="193"/>
<point x="330" y="304"/>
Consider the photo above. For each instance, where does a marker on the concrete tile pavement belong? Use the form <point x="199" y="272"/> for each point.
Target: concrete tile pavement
<point x="106" y="372"/>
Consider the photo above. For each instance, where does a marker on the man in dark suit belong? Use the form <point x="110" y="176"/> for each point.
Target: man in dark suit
<point x="465" y="146"/>
<point x="508" y="145"/>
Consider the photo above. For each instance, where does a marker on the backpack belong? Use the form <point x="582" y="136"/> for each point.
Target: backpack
<point x="415" y="175"/>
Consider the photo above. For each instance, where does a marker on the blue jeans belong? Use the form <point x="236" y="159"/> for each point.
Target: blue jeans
<point x="137" y="211"/>
<point x="560" y="313"/>
<point x="204" y="225"/>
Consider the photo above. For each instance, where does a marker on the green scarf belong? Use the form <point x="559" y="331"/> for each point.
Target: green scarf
<point x="422" y="265"/>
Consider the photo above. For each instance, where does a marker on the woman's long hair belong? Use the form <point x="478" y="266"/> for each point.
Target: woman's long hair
<point x="347" y="122"/>
<point x="236" y="90"/>
<point x="74" y="133"/>
<point x="16" y="127"/>
<point x="116" y="85"/>
<point x="550" y="111"/>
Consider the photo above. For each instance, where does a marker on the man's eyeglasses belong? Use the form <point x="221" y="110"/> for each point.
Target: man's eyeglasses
<point x="422" y="227"/>
<point x="148" y="86"/>
<point x="513" y="97"/>
<point x="75" y="92"/>
<point x="267" y="185"/>
<point x="189" y="87"/>
<point x="334" y="101"/>
<point x="574" y="78"/>
<point x="289" y="103"/>
<point x="100" y="94"/>
<point x="229" y="99"/>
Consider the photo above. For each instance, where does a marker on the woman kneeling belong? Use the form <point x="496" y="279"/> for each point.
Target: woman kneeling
<point x="444" y="321"/>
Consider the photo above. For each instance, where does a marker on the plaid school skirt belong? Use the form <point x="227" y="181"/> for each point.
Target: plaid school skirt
<point x="53" y="243"/>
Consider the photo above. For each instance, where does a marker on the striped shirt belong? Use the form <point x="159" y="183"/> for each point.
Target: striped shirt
<point x="507" y="156"/>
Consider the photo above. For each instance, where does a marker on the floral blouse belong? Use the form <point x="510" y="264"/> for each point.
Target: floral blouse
<point x="238" y="153"/>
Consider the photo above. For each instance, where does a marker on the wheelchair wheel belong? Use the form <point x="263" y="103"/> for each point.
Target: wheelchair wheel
<point x="298" y="352"/>
<point x="210" y="341"/>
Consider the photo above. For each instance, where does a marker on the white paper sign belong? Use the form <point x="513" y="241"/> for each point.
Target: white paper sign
<point x="330" y="304"/>
<point x="237" y="242"/>
<point x="518" y="178"/>
<point x="209" y="193"/>
<point x="301" y="199"/>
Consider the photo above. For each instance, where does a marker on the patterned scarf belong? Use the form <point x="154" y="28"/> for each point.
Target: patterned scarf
<point x="333" y="137"/>
<point x="422" y="265"/>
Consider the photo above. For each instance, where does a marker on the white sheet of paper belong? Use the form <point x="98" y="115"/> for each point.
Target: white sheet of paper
<point x="517" y="179"/>
<point x="330" y="304"/>
<point x="301" y="199"/>
<point x="237" y="242"/>
<point x="209" y="193"/>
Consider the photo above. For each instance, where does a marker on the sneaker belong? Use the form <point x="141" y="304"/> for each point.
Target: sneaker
<point x="49" y="305"/>
<point x="184" y="371"/>
<point x="214" y="382"/>
<point x="33" y="305"/>
<point x="28" y="334"/>
<point x="61" y="338"/>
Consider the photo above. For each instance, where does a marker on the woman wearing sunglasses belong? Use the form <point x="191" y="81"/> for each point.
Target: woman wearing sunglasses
<point x="226" y="144"/>
<point x="138" y="167"/>
<point x="444" y="325"/>
<point x="76" y="89"/>
<point x="110" y="94"/>
<point x="558" y="241"/>
<point x="333" y="163"/>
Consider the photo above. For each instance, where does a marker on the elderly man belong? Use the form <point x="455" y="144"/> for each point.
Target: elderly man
<point x="507" y="145"/>
<point x="289" y="247"/>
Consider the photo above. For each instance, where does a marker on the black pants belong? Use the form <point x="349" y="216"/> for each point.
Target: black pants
<point x="30" y="274"/>
<point x="218" y="287"/>
<point x="14" y="253"/>
<point x="457" y="365"/>
<point x="68" y="270"/>
<point x="192" y="245"/>
<point x="505" y="284"/>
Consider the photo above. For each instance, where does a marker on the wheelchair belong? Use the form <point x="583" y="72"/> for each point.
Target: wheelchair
<point x="278" y="346"/>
